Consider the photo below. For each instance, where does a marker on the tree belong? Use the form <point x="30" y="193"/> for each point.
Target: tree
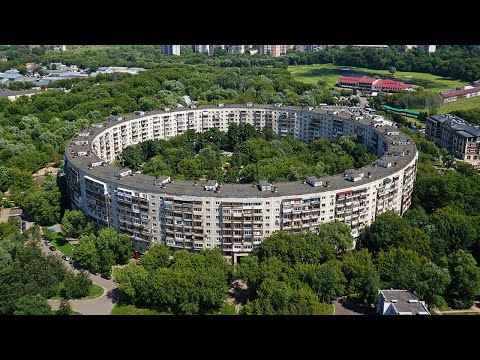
<point x="65" y="308"/>
<point x="132" y="282"/>
<point x="392" y="70"/>
<point x="293" y="248"/>
<point x="399" y="268"/>
<point x="158" y="256"/>
<point x="86" y="253"/>
<point x="32" y="305"/>
<point x="336" y="234"/>
<point x="465" y="276"/>
<point x="112" y="248"/>
<point x="382" y="233"/>
<point x="362" y="279"/>
<point x="431" y="283"/>
<point x="77" y="286"/>
<point x="73" y="223"/>
<point x="327" y="282"/>
<point x="132" y="157"/>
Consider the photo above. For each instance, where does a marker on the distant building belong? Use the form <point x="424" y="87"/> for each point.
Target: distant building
<point x="400" y="302"/>
<point x="382" y="47"/>
<point x="315" y="47"/>
<point x="14" y="95"/>
<point x="236" y="49"/>
<point x="460" y="93"/>
<point x="275" y="50"/>
<point x="458" y="136"/>
<point x="205" y="49"/>
<point x="11" y="75"/>
<point x="117" y="69"/>
<point x="429" y="48"/>
<point x="371" y="84"/>
<point x="3" y="58"/>
<point x="170" y="49"/>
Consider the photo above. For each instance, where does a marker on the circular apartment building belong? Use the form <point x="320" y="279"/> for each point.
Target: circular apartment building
<point x="236" y="217"/>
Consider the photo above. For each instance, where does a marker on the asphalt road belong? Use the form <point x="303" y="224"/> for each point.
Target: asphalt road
<point x="102" y="305"/>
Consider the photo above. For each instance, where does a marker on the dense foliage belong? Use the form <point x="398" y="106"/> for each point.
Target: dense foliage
<point x="100" y="252"/>
<point x="297" y="274"/>
<point x="187" y="283"/>
<point x="258" y="155"/>
<point x="27" y="277"/>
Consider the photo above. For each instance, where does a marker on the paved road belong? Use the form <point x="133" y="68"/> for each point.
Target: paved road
<point x="102" y="305"/>
<point x="346" y="307"/>
<point x="474" y="308"/>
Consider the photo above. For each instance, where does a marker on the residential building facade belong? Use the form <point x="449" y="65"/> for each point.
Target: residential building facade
<point x="170" y="49"/>
<point x="235" y="217"/>
<point x="458" y="136"/>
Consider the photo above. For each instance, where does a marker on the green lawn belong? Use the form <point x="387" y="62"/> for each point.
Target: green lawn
<point x="228" y="310"/>
<point x="225" y="310"/>
<point x="59" y="241"/>
<point x="95" y="291"/>
<point x="460" y="105"/>
<point x="120" y="309"/>
<point x="330" y="73"/>
<point x="462" y="313"/>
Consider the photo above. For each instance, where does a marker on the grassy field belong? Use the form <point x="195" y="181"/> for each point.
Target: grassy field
<point x="95" y="291"/>
<point x="330" y="73"/>
<point x="460" y="105"/>
<point x="228" y="310"/>
<point x="120" y="309"/>
<point x="59" y="241"/>
<point x="462" y="313"/>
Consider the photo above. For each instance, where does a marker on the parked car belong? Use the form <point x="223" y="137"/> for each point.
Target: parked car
<point x="106" y="276"/>
<point x="47" y="242"/>
<point x="52" y="248"/>
<point x="66" y="258"/>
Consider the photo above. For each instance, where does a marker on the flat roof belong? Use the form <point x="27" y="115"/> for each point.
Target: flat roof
<point x="402" y="304"/>
<point x="142" y="182"/>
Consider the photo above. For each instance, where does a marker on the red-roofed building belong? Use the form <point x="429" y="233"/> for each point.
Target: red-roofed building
<point x="370" y="84"/>
<point x="30" y="65"/>
<point x="459" y="94"/>
<point x="390" y="85"/>
<point x="362" y="83"/>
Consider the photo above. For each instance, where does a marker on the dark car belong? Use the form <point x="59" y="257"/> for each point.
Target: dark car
<point x="52" y="248"/>
<point x="106" y="276"/>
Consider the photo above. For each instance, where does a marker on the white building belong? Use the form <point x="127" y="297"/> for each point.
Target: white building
<point x="235" y="217"/>
<point x="400" y="302"/>
<point x="170" y="49"/>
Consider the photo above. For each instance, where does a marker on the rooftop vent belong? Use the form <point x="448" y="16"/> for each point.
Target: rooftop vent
<point x="412" y="301"/>
<point x="394" y="301"/>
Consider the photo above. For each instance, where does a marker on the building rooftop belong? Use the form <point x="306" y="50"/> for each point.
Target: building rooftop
<point x="143" y="182"/>
<point x="391" y="84"/>
<point x="456" y="92"/>
<point x="405" y="302"/>
<point x="4" y="93"/>
<point x="462" y="127"/>
<point x="354" y="79"/>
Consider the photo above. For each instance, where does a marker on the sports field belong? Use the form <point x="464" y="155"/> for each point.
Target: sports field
<point x="330" y="73"/>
